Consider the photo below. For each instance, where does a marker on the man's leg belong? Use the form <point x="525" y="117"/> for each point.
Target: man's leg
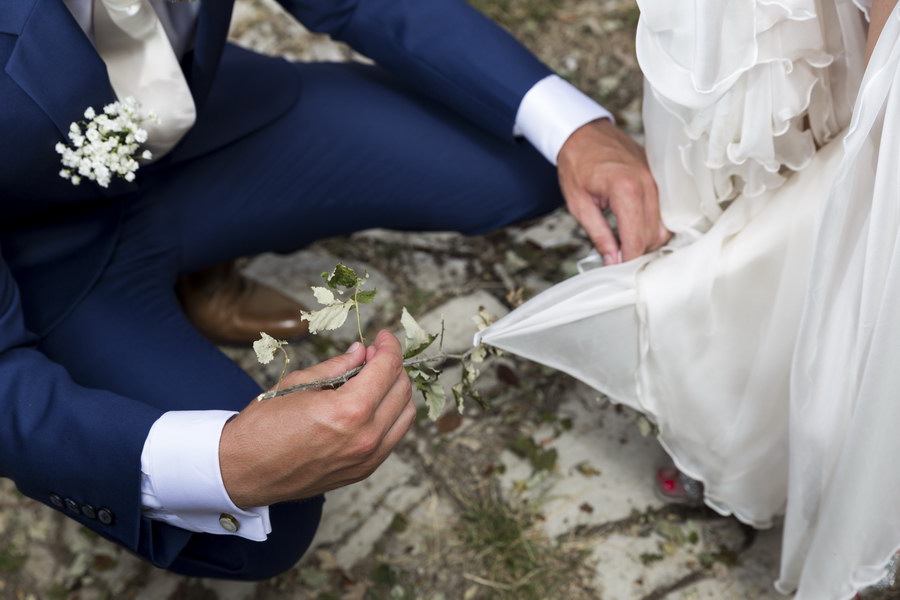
<point x="129" y="336"/>
<point x="357" y="151"/>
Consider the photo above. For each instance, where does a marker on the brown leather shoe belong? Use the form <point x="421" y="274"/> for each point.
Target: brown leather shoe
<point x="231" y="309"/>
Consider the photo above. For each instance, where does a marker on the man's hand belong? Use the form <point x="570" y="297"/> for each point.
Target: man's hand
<point x="601" y="168"/>
<point x="304" y="444"/>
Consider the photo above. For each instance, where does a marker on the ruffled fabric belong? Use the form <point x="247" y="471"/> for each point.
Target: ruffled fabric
<point x="757" y="86"/>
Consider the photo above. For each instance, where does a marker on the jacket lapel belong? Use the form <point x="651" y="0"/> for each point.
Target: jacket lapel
<point x="56" y="65"/>
<point x="212" y="31"/>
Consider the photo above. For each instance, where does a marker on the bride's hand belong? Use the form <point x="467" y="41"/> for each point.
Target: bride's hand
<point x="602" y="168"/>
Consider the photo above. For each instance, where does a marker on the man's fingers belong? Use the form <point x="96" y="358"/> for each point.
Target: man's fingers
<point x="380" y="372"/>
<point x="333" y="367"/>
<point x="588" y="213"/>
<point x="399" y="428"/>
<point x="393" y="404"/>
<point x="628" y="206"/>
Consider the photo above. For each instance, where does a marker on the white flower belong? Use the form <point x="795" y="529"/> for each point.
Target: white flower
<point x="265" y="347"/>
<point x="106" y="144"/>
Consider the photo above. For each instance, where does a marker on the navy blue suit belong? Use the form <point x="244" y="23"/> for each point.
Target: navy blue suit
<point x="93" y="346"/>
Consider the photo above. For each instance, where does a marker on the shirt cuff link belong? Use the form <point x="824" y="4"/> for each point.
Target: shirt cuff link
<point x="229" y="523"/>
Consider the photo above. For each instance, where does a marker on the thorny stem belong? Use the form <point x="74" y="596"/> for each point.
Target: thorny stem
<point x="340" y="379"/>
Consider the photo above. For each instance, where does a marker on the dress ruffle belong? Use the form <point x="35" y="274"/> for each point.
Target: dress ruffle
<point x="757" y="85"/>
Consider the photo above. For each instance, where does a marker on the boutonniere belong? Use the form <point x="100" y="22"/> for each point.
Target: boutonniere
<point x="105" y="145"/>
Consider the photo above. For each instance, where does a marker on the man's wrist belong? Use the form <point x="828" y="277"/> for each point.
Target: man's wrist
<point x="182" y="479"/>
<point x="551" y="111"/>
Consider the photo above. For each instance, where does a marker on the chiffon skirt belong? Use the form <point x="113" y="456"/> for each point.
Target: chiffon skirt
<point x="764" y="340"/>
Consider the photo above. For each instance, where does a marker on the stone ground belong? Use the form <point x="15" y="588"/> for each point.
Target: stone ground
<point x="545" y="494"/>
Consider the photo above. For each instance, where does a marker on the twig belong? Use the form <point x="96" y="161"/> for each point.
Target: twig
<point x="341" y="379"/>
<point x="488" y="583"/>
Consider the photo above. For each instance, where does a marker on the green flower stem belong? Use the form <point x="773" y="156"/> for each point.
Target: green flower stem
<point x="287" y="360"/>
<point x="362" y="340"/>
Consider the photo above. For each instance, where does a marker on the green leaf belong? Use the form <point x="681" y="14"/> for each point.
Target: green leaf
<point x="342" y="276"/>
<point x="365" y="296"/>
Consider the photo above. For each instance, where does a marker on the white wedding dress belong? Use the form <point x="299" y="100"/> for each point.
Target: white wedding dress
<point x="764" y="340"/>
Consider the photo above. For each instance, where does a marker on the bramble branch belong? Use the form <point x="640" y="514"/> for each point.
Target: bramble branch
<point x="344" y="378"/>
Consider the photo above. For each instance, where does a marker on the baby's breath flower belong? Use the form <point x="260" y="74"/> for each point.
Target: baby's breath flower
<point x="105" y="144"/>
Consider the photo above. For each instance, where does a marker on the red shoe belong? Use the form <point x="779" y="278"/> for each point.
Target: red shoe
<point x="674" y="487"/>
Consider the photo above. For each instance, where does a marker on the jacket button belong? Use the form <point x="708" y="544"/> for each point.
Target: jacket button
<point x="229" y="523"/>
<point x="88" y="511"/>
<point x="72" y="505"/>
<point x="105" y="516"/>
<point x="56" y="501"/>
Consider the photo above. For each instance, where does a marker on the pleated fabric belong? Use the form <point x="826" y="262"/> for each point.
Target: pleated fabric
<point x="762" y="340"/>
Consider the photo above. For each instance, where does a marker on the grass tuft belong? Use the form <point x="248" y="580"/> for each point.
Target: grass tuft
<point x="513" y="559"/>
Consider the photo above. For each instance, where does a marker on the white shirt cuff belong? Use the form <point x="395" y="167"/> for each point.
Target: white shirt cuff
<point x="181" y="481"/>
<point x="551" y="111"/>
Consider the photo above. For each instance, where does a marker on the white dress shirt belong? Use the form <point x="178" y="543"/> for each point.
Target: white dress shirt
<point x="181" y="481"/>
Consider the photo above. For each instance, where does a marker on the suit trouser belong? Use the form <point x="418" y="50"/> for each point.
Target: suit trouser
<point x="357" y="151"/>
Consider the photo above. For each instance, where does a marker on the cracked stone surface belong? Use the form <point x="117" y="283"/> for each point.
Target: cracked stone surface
<point x="550" y="467"/>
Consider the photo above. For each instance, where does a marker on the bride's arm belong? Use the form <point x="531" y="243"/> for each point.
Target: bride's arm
<point x="881" y="10"/>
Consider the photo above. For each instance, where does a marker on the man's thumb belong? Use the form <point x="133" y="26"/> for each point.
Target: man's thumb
<point x="333" y="367"/>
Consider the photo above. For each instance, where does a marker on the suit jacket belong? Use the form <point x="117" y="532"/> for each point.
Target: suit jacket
<point x="58" y="439"/>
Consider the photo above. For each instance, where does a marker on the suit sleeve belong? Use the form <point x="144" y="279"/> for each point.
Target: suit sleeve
<point x="444" y="48"/>
<point x="75" y="449"/>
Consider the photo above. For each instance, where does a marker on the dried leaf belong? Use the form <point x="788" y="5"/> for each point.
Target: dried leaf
<point x="479" y="353"/>
<point x="435" y="399"/>
<point x="586" y="469"/>
<point x="417" y="339"/>
<point x="324" y="295"/>
<point x="265" y="347"/>
<point x="329" y="318"/>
